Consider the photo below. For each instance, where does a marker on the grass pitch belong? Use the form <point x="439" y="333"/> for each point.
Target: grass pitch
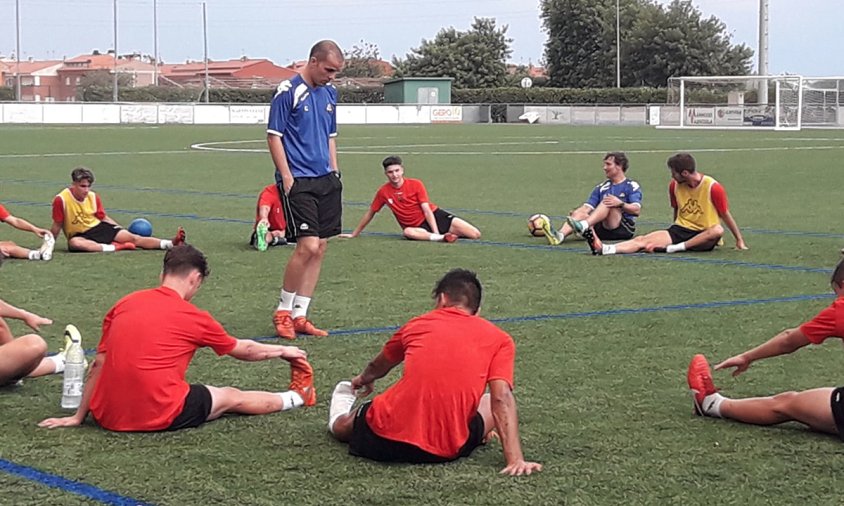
<point x="602" y="343"/>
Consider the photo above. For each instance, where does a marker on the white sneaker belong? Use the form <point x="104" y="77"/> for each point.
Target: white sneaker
<point x="47" y="246"/>
<point x="342" y="400"/>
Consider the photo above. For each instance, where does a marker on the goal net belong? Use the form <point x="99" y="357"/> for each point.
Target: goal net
<point x="753" y="102"/>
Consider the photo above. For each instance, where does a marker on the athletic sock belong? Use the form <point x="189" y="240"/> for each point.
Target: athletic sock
<point x="561" y="236"/>
<point x="342" y="401"/>
<point x="608" y="249"/>
<point x="290" y="400"/>
<point x="108" y="248"/>
<point x="166" y="244"/>
<point x="34" y="254"/>
<point x="285" y="300"/>
<point x="57" y="359"/>
<point x="711" y="405"/>
<point x="674" y="248"/>
<point x="436" y="238"/>
<point x="584" y="224"/>
<point x="300" y="306"/>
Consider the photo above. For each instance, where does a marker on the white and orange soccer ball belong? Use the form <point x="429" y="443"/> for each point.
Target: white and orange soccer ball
<point x="535" y="224"/>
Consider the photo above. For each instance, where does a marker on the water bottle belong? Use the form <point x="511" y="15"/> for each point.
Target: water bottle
<point x="74" y="370"/>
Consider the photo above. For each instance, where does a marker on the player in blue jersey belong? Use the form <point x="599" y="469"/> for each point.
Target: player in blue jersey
<point x="611" y="209"/>
<point x="301" y="137"/>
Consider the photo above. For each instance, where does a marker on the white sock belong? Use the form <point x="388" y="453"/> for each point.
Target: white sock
<point x="290" y="400"/>
<point x="166" y="244"/>
<point x="58" y="360"/>
<point x="342" y="401"/>
<point x="674" y="248"/>
<point x="712" y="405"/>
<point x="108" y="248"/>
<point x="584" y="224"/>
<point x="436" y="238"/>
<point x="285" y="300"/>
<point x="34" y="254"/>
<point x="608" y="249"/>
<point x="300" y="306"/>
<point x="561" y="236"/>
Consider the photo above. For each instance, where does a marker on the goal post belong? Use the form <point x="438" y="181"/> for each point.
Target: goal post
<point x="733" y="102"/>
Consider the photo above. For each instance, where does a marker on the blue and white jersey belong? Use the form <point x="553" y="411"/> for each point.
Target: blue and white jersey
<point x="305" y="118"/>
<point x="628" y="191"/>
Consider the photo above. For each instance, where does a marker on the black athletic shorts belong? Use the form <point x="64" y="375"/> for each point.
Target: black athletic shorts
<point x="624" y="231"/>
<point x="682" y="234"/>
<point x="369" y="445"/>
<point x="836" y="401"/>
<point x="443" y="218"/>
<point x="313" y="207"/>
<point x="103" y="233"/>
<point x="196" y="410"/>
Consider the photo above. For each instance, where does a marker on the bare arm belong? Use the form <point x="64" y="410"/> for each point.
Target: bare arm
<point x="251" y="351"/>
<point x="85" y="403"/>
<point x="429" y="217"/>
<point x="733" y="226"/>
<point x="332" y="154"/>
<point x="787" y="341"/>
<point x="32" y="320"/>
<point x="634" y="209"/>
<point x="507" y="424"/>
<point x="364" y="221"/>
<point x="264" y="214"/>
<point x="280" y="161"/>
<point x="56" y="228"/>
<point x="22" y="224"/>
<point x="376" y="369"/>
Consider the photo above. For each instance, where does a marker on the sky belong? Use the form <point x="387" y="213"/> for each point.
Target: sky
<point x="805" y="36"/>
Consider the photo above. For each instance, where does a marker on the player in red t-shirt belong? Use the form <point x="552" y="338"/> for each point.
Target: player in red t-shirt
<point x="822" y="409"/>
<point x="10" y="249"/>
<point x="418" y="217"/>
<point x="269" y="226"/>
<point x="137" y="381"/>
<point x="437" y="411"/>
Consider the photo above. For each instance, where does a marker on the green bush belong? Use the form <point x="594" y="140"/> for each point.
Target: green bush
<point x="6" y="94"/>
<point x="558" y="96"/>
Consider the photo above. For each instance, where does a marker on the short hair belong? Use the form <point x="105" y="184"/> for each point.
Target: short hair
<point x="838" y="273"/>
<point x="182" y="259"/>
<point x="462" y="287"/>
<point x="619" y="158"/>
<point x="82" y="173"/>
<point x="682" y="162"/>
<point x="323" y="48"/>
<point x="391" y="160"/>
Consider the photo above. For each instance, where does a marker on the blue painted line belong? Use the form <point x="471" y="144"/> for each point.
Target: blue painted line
<point x="72" y="486"/>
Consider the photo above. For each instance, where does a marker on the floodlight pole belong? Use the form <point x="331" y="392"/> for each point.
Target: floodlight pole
<point x="155" y="42"/>
<point x="114" y="93"/>
<point x="205" y="43"/>
<point x="763" y="51"/>
<point x="18" y="50"/>
<point x="617" y="45"/>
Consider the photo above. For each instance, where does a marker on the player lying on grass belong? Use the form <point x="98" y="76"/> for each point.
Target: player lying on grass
<point x="822" y="409"/>
<point x="611" y="210"/>
<point x="10" y="249"/>
<point x="79" y="212"/>
<point x="437" y="411"/>
<point x="24" y="356"/>
<point x="699" y="203"/>
<point x="418" y="217"/>
<point x="137" y="381"/>
<point x="269" y="226"/>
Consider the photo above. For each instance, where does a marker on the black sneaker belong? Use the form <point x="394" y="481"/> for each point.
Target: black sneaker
<point x="593" y="241"/>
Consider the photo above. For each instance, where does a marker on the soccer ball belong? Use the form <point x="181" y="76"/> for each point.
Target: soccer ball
<point x="141" y="227"/>
<point x="535" y="223"/>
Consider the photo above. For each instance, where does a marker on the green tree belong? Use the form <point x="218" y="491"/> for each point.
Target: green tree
<point x="657" y="42"/>
<point x="474" y="58"/>
<point x="363" y="60"/>
<point x="97" y="85"/>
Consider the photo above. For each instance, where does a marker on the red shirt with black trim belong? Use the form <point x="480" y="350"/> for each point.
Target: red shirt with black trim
<point x="449" y="357"/>
<point x="149" y="338"/>
<point x="269" y="197"/>
<point x="828" y="323"/>
<point x="405" y="202"/>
